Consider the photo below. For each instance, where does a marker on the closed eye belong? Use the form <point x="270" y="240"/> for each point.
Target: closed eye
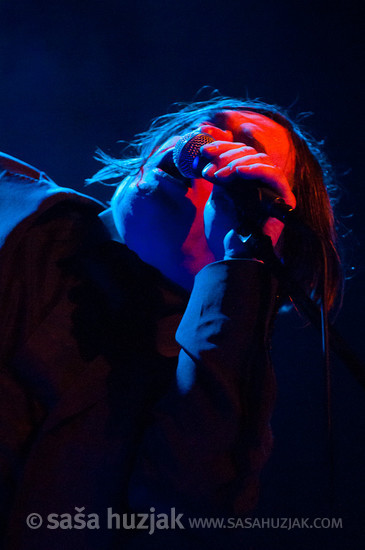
<point x="252" y="142"/>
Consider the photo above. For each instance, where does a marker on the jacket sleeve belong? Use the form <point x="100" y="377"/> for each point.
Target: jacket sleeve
<point x="210" y="435"/>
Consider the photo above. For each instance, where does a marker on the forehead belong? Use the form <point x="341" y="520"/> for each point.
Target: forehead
<point x="246" y="123"/>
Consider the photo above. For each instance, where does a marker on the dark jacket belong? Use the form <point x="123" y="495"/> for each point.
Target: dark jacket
<point x="95" y="419"/>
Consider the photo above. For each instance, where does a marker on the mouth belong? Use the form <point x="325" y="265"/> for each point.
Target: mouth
<point x="167" y="166"/>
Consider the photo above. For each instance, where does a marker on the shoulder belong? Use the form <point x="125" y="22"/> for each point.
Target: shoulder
<point x="26" y="193"/>
<point x="14" y="166"/>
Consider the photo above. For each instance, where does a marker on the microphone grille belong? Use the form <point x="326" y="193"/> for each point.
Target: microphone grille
<point x="187" y="149"/>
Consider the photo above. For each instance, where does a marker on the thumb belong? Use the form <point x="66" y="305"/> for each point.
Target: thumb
<point x="235" y="246"/>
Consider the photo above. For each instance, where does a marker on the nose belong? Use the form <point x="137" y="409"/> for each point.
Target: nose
<point x="247" y="133"/>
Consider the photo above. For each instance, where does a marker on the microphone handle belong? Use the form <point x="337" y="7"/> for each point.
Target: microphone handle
<point x="255" y="203"/>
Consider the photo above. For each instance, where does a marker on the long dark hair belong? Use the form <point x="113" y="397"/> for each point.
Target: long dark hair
<point x="313" y="259"/>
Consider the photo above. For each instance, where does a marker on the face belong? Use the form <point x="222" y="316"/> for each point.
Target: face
<point x="263" y="134"/>
<point x="160" y="215"/>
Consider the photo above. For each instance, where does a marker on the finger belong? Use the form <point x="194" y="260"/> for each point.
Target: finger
<point x="216" y="133"/>
<point x="221" y="152"/>
<point x="234" y="245"/>
<point x="232" y="158"/>
<point x="244" y="155"/>
<point x="217" y="148"/>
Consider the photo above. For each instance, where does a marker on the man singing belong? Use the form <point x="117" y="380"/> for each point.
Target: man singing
<point x="135" y="370"/>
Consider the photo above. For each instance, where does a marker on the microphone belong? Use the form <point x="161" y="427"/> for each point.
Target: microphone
<point x="186" y="154"/>
<point x="253" y="201"/>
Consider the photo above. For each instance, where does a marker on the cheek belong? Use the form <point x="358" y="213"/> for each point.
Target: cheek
<point x="153" y="223"/>
<point x="166" y="230"/>
<point x="289" y="167"/>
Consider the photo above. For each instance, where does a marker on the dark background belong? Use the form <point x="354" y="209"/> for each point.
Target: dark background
<point x="76" y="75"/>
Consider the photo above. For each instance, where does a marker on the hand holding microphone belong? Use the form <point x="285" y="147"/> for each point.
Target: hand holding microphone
<point x="243" y="176"/>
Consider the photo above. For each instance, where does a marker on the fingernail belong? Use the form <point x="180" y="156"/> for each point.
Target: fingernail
<point x="207" y="169"/>
<point x="207" y="149"/>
